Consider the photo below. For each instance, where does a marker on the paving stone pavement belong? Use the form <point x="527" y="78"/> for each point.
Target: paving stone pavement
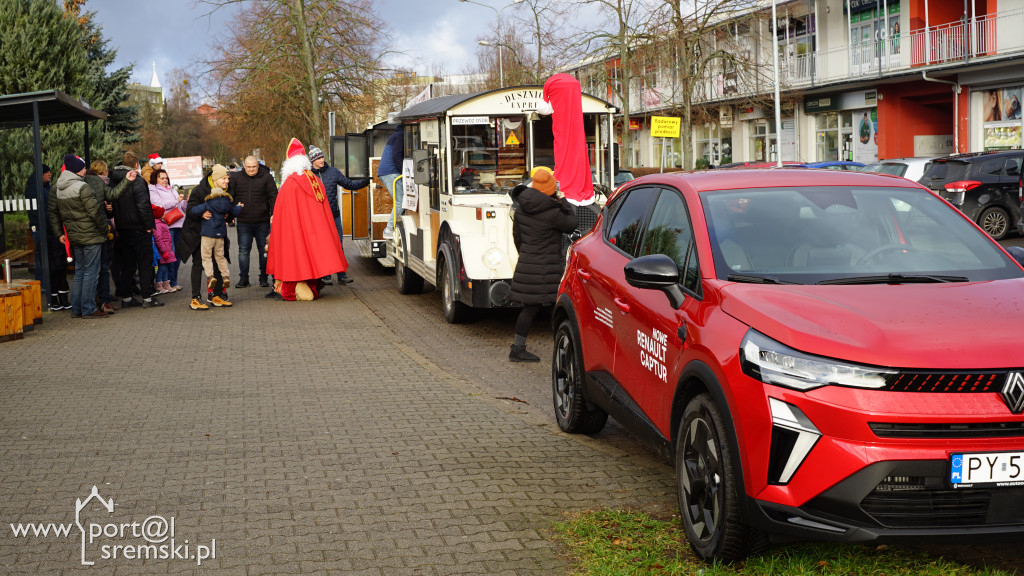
<point x="304" y="438"/>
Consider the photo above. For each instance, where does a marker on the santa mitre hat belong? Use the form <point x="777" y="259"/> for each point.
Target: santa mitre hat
<point x="295" y="148"/>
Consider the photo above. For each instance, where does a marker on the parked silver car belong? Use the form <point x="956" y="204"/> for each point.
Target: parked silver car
<point x="910" y="168"/>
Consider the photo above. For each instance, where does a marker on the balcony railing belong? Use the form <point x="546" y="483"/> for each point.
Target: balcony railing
<point x="979" y="38"/>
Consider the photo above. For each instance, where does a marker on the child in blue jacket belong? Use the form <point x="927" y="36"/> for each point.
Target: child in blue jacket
<point x="219" y="204"/>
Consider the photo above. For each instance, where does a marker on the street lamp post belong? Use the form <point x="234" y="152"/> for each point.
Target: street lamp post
<point x="501" y="71"/>
<point x="501" y="39"/>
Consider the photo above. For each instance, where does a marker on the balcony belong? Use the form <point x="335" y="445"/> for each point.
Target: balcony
<point x="958" y="42"/>
<point x="986" y="37"/>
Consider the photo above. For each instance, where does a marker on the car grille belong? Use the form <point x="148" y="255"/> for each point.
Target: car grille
<point x="910" y="504"/>
<point x="974" y="430"/>
<point x="916" y="494"/>
<point x="952" y="382"/>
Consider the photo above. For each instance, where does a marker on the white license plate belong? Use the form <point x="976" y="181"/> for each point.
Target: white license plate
<point x="986" y="468"/>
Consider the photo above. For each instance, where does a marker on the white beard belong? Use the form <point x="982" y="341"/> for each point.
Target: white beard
<point x="295" y="165"/>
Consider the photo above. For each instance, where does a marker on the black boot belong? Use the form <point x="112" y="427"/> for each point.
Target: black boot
<point x="519" y="354"/>
<point x="55" y="303"/>
<point x="65" y="302"/>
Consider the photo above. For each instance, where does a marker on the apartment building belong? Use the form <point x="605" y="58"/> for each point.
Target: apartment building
<point x="859" y="80"/>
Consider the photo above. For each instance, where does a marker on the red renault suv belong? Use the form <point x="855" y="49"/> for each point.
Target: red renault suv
<point x="825" y="355"/>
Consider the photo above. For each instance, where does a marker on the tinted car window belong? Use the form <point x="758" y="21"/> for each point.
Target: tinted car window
<point x="630" y="213"/>
<point x="1013" y="167"/>
<point x="670" y="233"/>
<point x="992" y="167"/>
<point x="948" y="171"/>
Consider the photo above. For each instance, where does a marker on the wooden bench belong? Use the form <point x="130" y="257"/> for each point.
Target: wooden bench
<point x="11" y="316"/>
<point x="16" y="255"/>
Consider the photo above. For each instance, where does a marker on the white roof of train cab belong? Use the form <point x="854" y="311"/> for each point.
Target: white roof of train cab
<point x="504" y="101"/>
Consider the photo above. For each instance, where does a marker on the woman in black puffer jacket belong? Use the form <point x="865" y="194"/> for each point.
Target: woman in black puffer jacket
<point x="540" y="220"/>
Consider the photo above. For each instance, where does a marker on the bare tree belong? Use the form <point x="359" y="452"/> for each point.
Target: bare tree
<point x="286" y="58"/>
<point x="548" y="24"/>
<point x="629" y="24"/>
<point x="705" y="47"/>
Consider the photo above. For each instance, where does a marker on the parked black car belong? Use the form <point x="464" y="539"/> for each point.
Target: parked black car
<point x="983" y="185"/>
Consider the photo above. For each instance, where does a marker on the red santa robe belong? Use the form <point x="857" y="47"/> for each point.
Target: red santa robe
<point x="303" y="244"/>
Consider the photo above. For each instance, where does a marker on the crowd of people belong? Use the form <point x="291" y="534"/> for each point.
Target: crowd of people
<point x="130" y="224"/>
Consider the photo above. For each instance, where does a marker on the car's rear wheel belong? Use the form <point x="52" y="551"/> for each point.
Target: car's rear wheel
<point x="708" y="489"/>
<point x="995" y="221"/>
<point x="571" y="410"/>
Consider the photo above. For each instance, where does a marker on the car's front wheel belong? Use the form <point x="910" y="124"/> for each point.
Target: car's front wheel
<point x="709" y="497"/>
<point x="995" y="221"/>
<point x="571" y="407"/>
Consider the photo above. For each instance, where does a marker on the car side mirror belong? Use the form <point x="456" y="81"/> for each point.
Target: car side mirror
<point x="656" y="272"/>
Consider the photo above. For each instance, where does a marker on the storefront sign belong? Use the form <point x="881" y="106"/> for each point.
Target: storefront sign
<point x="664" y="127"/>
<point x="634" y="124"/>
<point x="725" y="117"/>
<point x="814" y="104"/>
<point x="871" y="98"/>
<point x="470" y="120"/>
<point x="862" y="5"/>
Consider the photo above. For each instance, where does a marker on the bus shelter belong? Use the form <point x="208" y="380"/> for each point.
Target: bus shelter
<point x="33" y="110"/>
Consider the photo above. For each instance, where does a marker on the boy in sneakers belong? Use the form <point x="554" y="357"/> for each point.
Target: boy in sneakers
<point x="218" y="204"/>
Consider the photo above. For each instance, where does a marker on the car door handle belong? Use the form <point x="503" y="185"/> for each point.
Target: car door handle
<point x="622" y="304"/>
<point x="583" y="274"/>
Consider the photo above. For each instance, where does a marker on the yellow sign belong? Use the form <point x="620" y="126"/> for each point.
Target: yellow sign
<point x="511" y="140"/>
<point x="664" y="127"/>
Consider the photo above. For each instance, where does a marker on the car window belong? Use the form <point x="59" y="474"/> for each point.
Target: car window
<point x="992" y="167"/>
<point x="948" y="171"/>
<point x="670" y="233"/>
<point x="1013" y="166"/>
<point x="630" y="213"/>
<point x="893" y="168"/>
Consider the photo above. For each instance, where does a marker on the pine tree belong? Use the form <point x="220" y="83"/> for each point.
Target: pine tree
<point x="50" y="48"/>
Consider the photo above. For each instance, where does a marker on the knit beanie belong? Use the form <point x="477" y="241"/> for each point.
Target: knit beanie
<point x="315" y="153"/>
<point x="73" y="163"/>
<point x="218" y="172"/>
<point x="158" y="211"/>
<point x="544" y="181"/>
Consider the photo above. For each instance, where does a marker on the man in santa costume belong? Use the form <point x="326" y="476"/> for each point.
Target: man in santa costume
<point x="303" y="245"/>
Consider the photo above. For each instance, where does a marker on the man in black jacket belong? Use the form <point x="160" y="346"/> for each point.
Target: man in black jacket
<point x="332" y="178"/>
<point x="255" y="188"/>
<point x="133" y="247"/>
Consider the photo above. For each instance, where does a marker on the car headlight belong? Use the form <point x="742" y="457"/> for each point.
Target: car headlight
<point x="774" y="363"/>
<point x="493" y="258"/>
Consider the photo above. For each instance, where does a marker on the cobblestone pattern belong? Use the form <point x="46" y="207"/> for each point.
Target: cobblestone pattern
<point x="345" y="436"/>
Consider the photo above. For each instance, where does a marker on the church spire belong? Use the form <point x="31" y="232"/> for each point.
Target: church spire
<point x="155" y="82"/>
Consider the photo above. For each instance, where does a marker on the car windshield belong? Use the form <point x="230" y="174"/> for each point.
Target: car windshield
<point x="833" y="234"/>
<point x="488" y="154"/>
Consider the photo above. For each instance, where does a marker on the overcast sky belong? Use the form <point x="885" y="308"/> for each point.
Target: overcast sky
<point x="437" y="35"/>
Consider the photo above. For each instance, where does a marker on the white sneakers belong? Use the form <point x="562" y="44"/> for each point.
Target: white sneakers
<point x="389" y="233"/>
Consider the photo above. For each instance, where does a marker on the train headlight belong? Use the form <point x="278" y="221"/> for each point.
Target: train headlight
<point x="493" y="258"/>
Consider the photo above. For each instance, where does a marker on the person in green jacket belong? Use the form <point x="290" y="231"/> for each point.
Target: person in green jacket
<point x="76" y="215"/>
